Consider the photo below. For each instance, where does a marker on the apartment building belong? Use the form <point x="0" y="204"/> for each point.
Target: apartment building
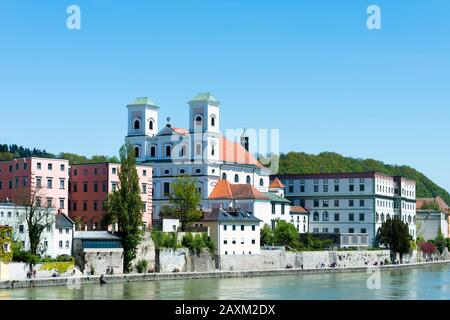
<point x="352" y="203"/>
<point x="44" y="180"/>
<point x="90" y="185"/>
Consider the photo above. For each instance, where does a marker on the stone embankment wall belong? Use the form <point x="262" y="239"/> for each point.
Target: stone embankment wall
<point x="168" y="260"/>
<point x="270" y="260"/>
<point x="185" y="261"/>
<point x="145" y="251"/>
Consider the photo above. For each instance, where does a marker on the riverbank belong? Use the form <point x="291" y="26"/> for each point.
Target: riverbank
<point x="73" y="282"/>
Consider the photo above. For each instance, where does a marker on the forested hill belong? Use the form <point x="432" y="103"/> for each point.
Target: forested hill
<point x="328" y="162"/>
<point x="8" y="152"/>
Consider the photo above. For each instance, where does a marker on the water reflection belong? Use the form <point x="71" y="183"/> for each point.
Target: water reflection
<point x="423" y="283"/>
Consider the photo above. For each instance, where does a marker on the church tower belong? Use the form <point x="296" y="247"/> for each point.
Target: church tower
<point x="142" y="124"/>
<point x="204" y="126"/>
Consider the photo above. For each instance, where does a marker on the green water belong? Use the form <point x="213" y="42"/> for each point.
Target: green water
<point x="431" y="282"/>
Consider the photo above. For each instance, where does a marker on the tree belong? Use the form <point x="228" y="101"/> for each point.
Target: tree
<point x="440" y="242"/>
<point x="394" y="234"/>
<point x="266" y="236"/>
<point x="36" y="217"/>
<point x="285" y="234"/>
<point x="125" y="206"/>
<point x="184" y="201"/>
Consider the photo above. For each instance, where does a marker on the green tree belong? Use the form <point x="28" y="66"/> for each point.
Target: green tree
<point x="285" y="234"/>
<point x="266" y="238"/>
<point x="440" y="241"/>
<point x="184" y="201"/>
<point x="394" y="234"/>
<point x="125" y="206"/>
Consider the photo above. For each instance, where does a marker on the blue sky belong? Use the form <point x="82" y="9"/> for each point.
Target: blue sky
<point x="310" y="68"/>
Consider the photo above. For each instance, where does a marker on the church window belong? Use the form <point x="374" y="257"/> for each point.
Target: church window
<point x="168" y="151"/>
<point x="137" y="125"/>
<point x="150" y="125"/>
<point x="236" y="178"/>
<point x="136" y="152"/>
<point x="248" y="180"/>
<point x="153" y="152"/>
<point x="213" y="150"/>
<point x="224" y="176"/>
<point x="261" y="182"/>
<point x="198" y="121"/>
<point x="213" y="121"/>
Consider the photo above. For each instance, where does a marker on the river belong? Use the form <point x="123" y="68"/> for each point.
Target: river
<point x="431" y="282"/>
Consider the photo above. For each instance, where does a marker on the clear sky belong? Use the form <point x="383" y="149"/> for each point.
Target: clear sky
<point x="310" y="68"/>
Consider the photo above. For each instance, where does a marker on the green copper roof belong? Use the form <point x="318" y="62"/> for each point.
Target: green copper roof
<point x="143" y="101"/>
<point x="204" y="97"/>
<point x="275" y="198"/>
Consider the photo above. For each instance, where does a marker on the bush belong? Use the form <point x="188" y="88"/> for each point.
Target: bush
<point x="188" y="241"/>
<point x="164" y="240"/>
<point x="197" y="243"/>
<point x="440" y="241"/>
<point x="142" y="266"/>
<point x="25" y="256"/>
<point x="64" y="258"/>
<point x="61" y="267"/>
<point x="427" y="247"/>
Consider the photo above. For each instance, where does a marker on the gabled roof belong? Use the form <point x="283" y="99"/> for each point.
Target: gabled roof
<point x="221" y="215"/>
<point x="233" y="152"/>
<point x="298" y="210"/>
<point x="227" y="191"/>
<point x="274" y="198"/>
<point x="276" y="184"/>
<point x="62" y="221"/>
<point x="168" y="130"/>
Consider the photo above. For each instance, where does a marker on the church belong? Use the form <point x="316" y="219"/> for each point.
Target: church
<point x="200" y="151"/>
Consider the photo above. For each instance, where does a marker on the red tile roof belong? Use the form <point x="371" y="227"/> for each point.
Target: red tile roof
<point x="228" y="191"/>
<point x="298" y="209"/>
<point x="233" y="152"/>
<point x="276" y="184"/>
<point x="420" y="202"/>
<point x="182" y="131"/>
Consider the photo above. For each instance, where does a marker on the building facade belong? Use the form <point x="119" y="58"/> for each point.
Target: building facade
<point x="436" y="204"/>
<point x="43" y="180"/>
<point x="200" y="151"/>
<point x="430" y="221"/>
<point x="90" y="185"/>
<point x="352" y="203"/>
<point x="233" y="231"/>
<point x="56" y="239"/>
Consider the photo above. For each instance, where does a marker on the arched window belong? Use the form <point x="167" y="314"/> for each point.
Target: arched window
<point x="316" y="216"/>
<point x="409" y="219"/>
<point x="150" y="125"/>
<point x="168" y="151"/>
<point x="382" y="217"/>
<point x="378" y="217"/>
<point x="213" y="121"/>
<point x="153" y="151"/>
<point x="261" y="182"/>
<point x="198" y="121"/>
<point x="388" y="217"/>
<point x="249" y="181"/>
<point x="213" y="149"/>
<point x="224" y="176"/>
<point x="136" y="152"/>
<point x="137" y="125"/>
<point x="67" y="244"/>
<point x="236" y="178"/>
<point x="183" y="151"/>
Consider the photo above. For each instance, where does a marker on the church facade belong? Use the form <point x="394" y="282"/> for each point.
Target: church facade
<point x="200" y="151"/>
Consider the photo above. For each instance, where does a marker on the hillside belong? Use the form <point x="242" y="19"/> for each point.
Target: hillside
<point x="15" y="151"/>
<point x="328" y="162"/>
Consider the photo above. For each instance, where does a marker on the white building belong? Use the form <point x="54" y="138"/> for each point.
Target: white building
<point x="200" y="151"/>
<point x="430" y="221"/>
<point x="56" y="239"/>
<point x="233" y="231"/>
<point x="352" y="203"/>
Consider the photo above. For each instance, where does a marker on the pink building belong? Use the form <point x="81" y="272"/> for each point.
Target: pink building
<point x="91" y="183"/>
<point x="47" y="179"/>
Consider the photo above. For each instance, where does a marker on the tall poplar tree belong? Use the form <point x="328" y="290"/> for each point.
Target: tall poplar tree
<point x="125" y="206"/>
